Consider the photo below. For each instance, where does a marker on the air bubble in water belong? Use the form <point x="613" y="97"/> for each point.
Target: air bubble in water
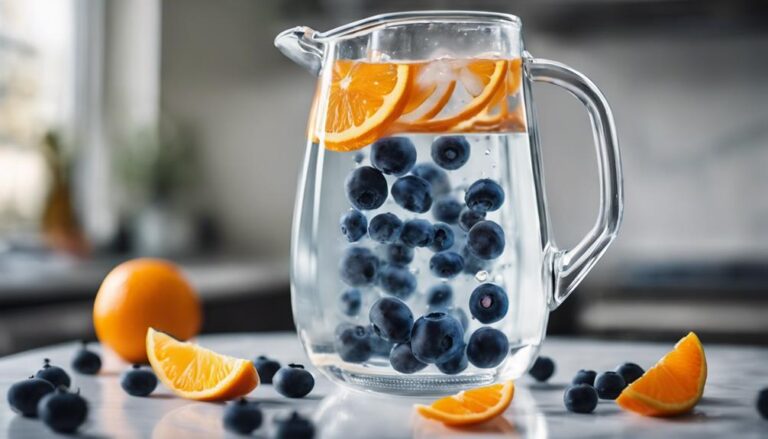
<point x="488" y="151"/>
<point x="481" y="276"/>
<point x="414" y="271"/>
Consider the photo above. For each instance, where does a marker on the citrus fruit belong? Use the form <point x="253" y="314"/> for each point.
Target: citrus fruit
<point x="673" y="386"/>
<point x="197" y="373"/>
<point x="470" y="406"/>
<point x="141" y="293"/>
<point x="362" y="100"/>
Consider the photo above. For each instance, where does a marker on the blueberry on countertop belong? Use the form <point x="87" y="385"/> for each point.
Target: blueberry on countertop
<point x="447" y="209"/>
<point x="580" y="398"/>
<point x="484" y="195"/>
<point x="294" y="427"/>
<point x="62" y="411"/>
<point x="366" y="188"/>
<point x="440" y="296"/>
<point x="358" y="266"/>
<point x="350" y="302"/>
<point x="417" y="233"/>
<point x="468" y="218"/>
<point x="399" y="254"/>
<point x="24" y="396"/>
<point x="584" y="376"/>
<point x="543" y="369"/>
<point x="450" y="152"/>
<point x="397" y="281"/>
<point x="293" y="381"/>
<point x="486" y="240"/>
<point x="392" y="319"/>
<point x="385" y="227"/>
<point x="138" y="381"/>
<point x="443" y="239"/>
<point x="353" y="344"/>
<point x="266" y="368"/>
<point x="436" y="337"/>
<point x="609" y="385"/>
<point x="412" y="193"/>
<point x="630" y="372"/>
<point x="393" y="155"/>
<point x="86" y="361"/>
<point x="487" y="347"/>
<point x="242" y="416"/>
<point x="446" y="264"/>
<point x="488" y="303"/>
<point x="53" y="374"/>
<point x="353" y="225"/>
<point x="403" y="360"/>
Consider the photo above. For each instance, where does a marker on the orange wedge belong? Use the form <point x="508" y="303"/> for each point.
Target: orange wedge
<point x="364" y="98"/>
<point x="514" y="75"/>
<point x="470" y="406"/>
<point x="194" y="372"/>
<point x="673" y="386"/>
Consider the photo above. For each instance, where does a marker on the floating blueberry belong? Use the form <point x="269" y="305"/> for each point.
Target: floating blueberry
<point x="417" y="233"/>
<point x="584" y="376"/>
<point x="543" y="369"/>
<point x="397" y="281"/>
<point x="436" y="337"/>
<point x="393" y="155"/>
<point x="358" y="266"/>
<point x="266" y="367"/>
<point x="487" y="347"/>
<point x="484" y="195"/>
<point x="609" y="385"/>
<point x="412" y="193"/>
<point x="488" y="303"/>
<point x="486" y="240"/>
<point x="450" y="152"/>
<point x="138" y="381"/>
<point x="403" y="360"/>
<point x="399" y="254"/>
<point x="379" y="345"/>
<point x="468" y="218"/>
<point x="440" y="296"/>
<point x="53" y="374"/>
<point x="630" y="372"/>
<point x="242" y="417"/>
<point x="447" y="209"/>
<point x="86" y="361"/>
<point x="366" y="188"/>
<point x="294" y="427"/>
<point x="455" y="364"/>
<point x="293" y="381"/>
<point x="62" y="411"/>
<point x="472" y="264"/>
<point x="762" y="403"/>
<point x="443" y="239"/>
<point x="392" y="319"/>
<point x="446" y="265"/>
<point x="359" y="157"/>
<point x="353" y="344"/>
<point x="353" y="225"/>
<point x="350" y="302"/>
<point x="580" y="398"/>
<point x="385" y="227"/>
<point x="437" y="178"/>
<point x="24" y="396"/>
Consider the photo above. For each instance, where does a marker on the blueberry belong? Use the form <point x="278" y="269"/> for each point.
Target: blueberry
<point x="450" y="152"/>
<point x="543" y="369"/>
<point x="393" y="155"/>
<point x="293" y="381"/>
<point x="138" y="381"/>
<point x="455" y="364"/>
<point x="484" y="196"/>
<point x="446" y="264"/>
<point x="353" y="225"/>
<point x="417" y="233"/>
<point x="443" y="239"/>
<point x="379" y="345"/>
<point x="24" y="396"/>
<point x="447" y="209"/>
<point x="266" y="367"/>
<point x="358" y="266"/>
<point x="584" y="376"/>
<point x="487" y="347"/>
<point x="486" y="240"/>
<point x="53" y="374"/>
<point x="403" y="360"/>
<point x="762" y="403"/>
<point x="436" y="337"/>
<point x="385" y="227"/>
<point x="359" y="157"/>
<point x="580" y="398"/>
<point x="399" y="254"/>
<point x="468" y="218"/>
<point x="397" y="281"/>
<point x="412" y="193"/>
<point x="472" y="264"/>
<point x="85" y="361"/>
<point x="437" y="178"/>
<point x="366" y="188"/>
<point x="294" y="427"/>
<point x="392" y="319"/>
<point x="440" y="296"/>
<point x="62" y="411"/>
<point x="242" y="417"/>
<point x="350" y="302"/>
<point x="630" y="372"/>
<point x="353" y="344"/>
<point x="609" y="385"/>
<point x="461" y="316"/>
<point x="488" y="303"/>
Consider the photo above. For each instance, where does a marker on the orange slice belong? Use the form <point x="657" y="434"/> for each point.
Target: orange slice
<point x="470" y="406"/>
<point x="194" y="372"/>
<point x="514" y="75"/>
<point x="364" y="98"/>
<point x="673" y="386"/>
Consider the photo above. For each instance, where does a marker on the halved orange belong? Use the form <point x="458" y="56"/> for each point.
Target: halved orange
<point x="363" y="99"/>
<point x="673" y="386"/>
<point x="470" y="406"/>
<point x="197" y="373"/>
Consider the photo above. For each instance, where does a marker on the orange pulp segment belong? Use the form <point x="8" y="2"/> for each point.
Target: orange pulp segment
<point x="673" y="386"/>
<point x="470" y="406"/>
<point x="197" y="373"/>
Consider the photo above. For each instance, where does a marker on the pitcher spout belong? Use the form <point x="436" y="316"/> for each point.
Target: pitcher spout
<point x="300" y="45"/>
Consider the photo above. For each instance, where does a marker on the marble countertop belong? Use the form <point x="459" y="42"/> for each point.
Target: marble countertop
<point x="727" y="410"/>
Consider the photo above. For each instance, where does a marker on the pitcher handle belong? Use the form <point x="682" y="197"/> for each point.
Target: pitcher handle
<point x="570" y="266"/>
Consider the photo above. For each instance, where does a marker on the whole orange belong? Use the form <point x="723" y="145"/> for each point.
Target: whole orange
<point x="144" y="293"/>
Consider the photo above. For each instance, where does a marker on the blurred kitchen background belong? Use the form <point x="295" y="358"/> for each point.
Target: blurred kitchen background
<point x="174" y="128"/>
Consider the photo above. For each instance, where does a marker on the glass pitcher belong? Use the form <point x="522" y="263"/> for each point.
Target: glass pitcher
<point x="422" y="260"/>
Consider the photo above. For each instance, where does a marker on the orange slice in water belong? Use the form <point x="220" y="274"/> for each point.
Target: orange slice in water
<point x="194" y="372"/>
<point x="364" y="98"/>
<point x="470" y="406"/>
<point x="673" y="386"/>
